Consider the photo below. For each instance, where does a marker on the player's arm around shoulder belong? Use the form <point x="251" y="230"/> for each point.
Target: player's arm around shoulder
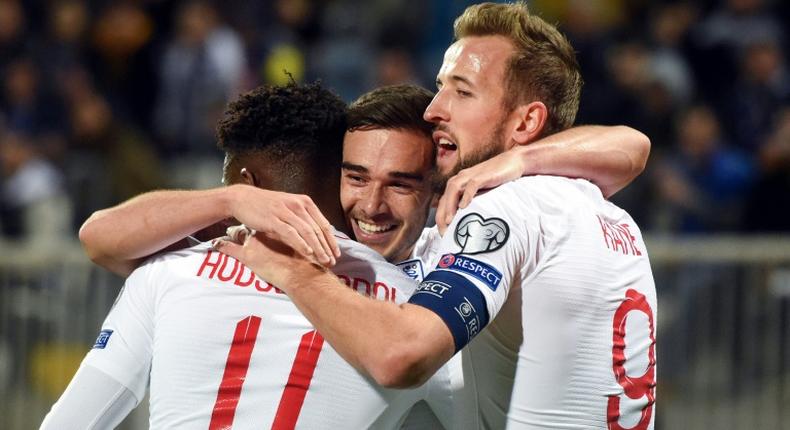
<point x="609" y="156"/>
<point x="121" y="237"/>
<point x="397" y="345"/>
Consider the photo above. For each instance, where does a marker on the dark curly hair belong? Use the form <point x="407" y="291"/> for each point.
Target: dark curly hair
<point x="298" y="128"/>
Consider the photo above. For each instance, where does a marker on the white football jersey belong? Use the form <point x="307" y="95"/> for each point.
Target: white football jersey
<point x="225" y="349"/>
<point x="571" y="301"/>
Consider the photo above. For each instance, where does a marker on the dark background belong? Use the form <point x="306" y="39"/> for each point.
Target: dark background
<point x="102" y="100"/>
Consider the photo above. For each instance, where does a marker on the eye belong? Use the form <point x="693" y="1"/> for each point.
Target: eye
<point x="401" y="187"/>
<point x="463" y="93"/>
<point x="356" y="179"/>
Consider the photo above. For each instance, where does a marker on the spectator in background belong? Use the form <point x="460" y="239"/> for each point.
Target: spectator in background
<point x="589" y="26"/>
<point x="629" y="69"/>
<point x="108" y="160"/>
<point x="12" y="31"/>
<point x="281" y="45"/>
<point x="669" y="83"/>
<point x="29" y="109"/>
<point x="644" y="89"/>
<point x="345" y="53"/>
<point x="669" y="26"/>
<point x="703" y="183"/>
<point x="202" y="67"/>
<point x="395" y="66"/>
<point x="124" y="69"/>
<point x="34" y="210"/>
<point x="167" y="68"/>
<point x="722" y="36"/>
<point x="761" y="90"/>
<point x="65" y="47"/>
<point x="737" y="24"/>
<point x="398" y="35"/>
<point x="769" y="205"/>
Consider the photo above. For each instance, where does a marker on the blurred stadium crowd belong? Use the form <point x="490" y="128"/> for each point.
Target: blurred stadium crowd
<point x="102" y="100"/>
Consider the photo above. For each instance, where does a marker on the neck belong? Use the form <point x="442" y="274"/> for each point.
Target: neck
<point x="325" y="193"/>
<point x="404" y="256"/>
<point x="328" y="202"/>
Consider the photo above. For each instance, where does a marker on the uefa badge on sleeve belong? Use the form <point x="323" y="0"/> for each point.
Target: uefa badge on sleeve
<point x="478" y="235"/>
<point x="480" y="270"/>
<point x="101" y="341"/>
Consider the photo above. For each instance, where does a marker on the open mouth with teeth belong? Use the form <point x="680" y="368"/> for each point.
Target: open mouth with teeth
<point x="446" y="151"/>
<point x="446" y="145"/>
<point x="380" y="236"/>
<point x="371" y="228"/>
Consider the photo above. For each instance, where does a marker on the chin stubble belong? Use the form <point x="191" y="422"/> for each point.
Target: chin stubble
<point x="494" y="147"/>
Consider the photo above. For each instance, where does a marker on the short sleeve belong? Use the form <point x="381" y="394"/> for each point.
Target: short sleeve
<point x="124" y="346"/>
<point x="479" y="259"/>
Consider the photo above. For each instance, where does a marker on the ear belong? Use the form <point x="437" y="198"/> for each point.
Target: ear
<point x="531" y="119"/>
<point x="247" y="177"/>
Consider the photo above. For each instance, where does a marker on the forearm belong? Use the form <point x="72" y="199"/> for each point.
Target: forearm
<point x="610" y="157"/>
<point x="399" y="346"/>
<point x="118" y="237"/>
<point x="92" y="400"/>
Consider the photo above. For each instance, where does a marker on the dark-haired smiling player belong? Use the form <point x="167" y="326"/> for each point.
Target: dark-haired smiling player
<point x="223" y="348"/>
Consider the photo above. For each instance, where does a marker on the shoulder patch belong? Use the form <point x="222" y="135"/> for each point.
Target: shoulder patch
<point x="483" y="272"/>
<point x="412" y="269"/>
<point x="101" y="341"/>
<point x="478" y="235"/>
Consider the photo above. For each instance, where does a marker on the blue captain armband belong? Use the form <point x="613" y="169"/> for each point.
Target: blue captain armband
<point x="457" y="301"/>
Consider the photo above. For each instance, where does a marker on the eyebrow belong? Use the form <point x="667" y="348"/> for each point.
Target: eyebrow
<point x="399" y="175"/>
<point x="462" y="79"/>
<point x="457" y="78"/>
<point x="407" y="175"/>
<point x="354" y="167"/>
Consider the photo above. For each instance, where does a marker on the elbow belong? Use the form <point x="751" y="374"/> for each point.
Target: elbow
<point x="641" y="147"/>
<point x="87" y="236"/>
<point x="400" y="367"/>
<point x="91" y="240"/>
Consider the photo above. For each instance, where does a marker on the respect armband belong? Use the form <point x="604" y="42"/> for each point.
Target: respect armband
<point x="457" y="301"/>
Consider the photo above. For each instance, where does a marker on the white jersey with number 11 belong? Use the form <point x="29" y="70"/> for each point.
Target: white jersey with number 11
<point x="228" y="350"/>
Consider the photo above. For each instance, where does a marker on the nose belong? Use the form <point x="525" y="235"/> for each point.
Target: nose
<point x="373" y="202"/>
<point x="436" y="111"/>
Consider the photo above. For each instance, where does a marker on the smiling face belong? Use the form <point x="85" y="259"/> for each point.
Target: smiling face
<point x="469" y="109"/>
<point x="384" y="190"/>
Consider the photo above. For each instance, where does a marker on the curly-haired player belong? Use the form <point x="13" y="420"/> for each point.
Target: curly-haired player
<point x="222" y="347"/>
<point x="295" y="130"/>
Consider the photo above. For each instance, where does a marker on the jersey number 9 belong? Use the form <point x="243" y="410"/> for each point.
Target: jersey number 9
<point x="634" y="387"/>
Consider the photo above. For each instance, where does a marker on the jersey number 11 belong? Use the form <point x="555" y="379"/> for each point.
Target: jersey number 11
<point x="236" y="370"/>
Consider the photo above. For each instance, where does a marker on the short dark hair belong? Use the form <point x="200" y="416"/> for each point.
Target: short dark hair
<point x="391" y="107"/>
<point x="305" y="121"/>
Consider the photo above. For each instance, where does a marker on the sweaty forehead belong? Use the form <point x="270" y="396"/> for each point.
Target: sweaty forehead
<point x="477" y="58"/>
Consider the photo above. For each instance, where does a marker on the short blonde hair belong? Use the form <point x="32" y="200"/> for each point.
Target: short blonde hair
<point x="544" y="66"/>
